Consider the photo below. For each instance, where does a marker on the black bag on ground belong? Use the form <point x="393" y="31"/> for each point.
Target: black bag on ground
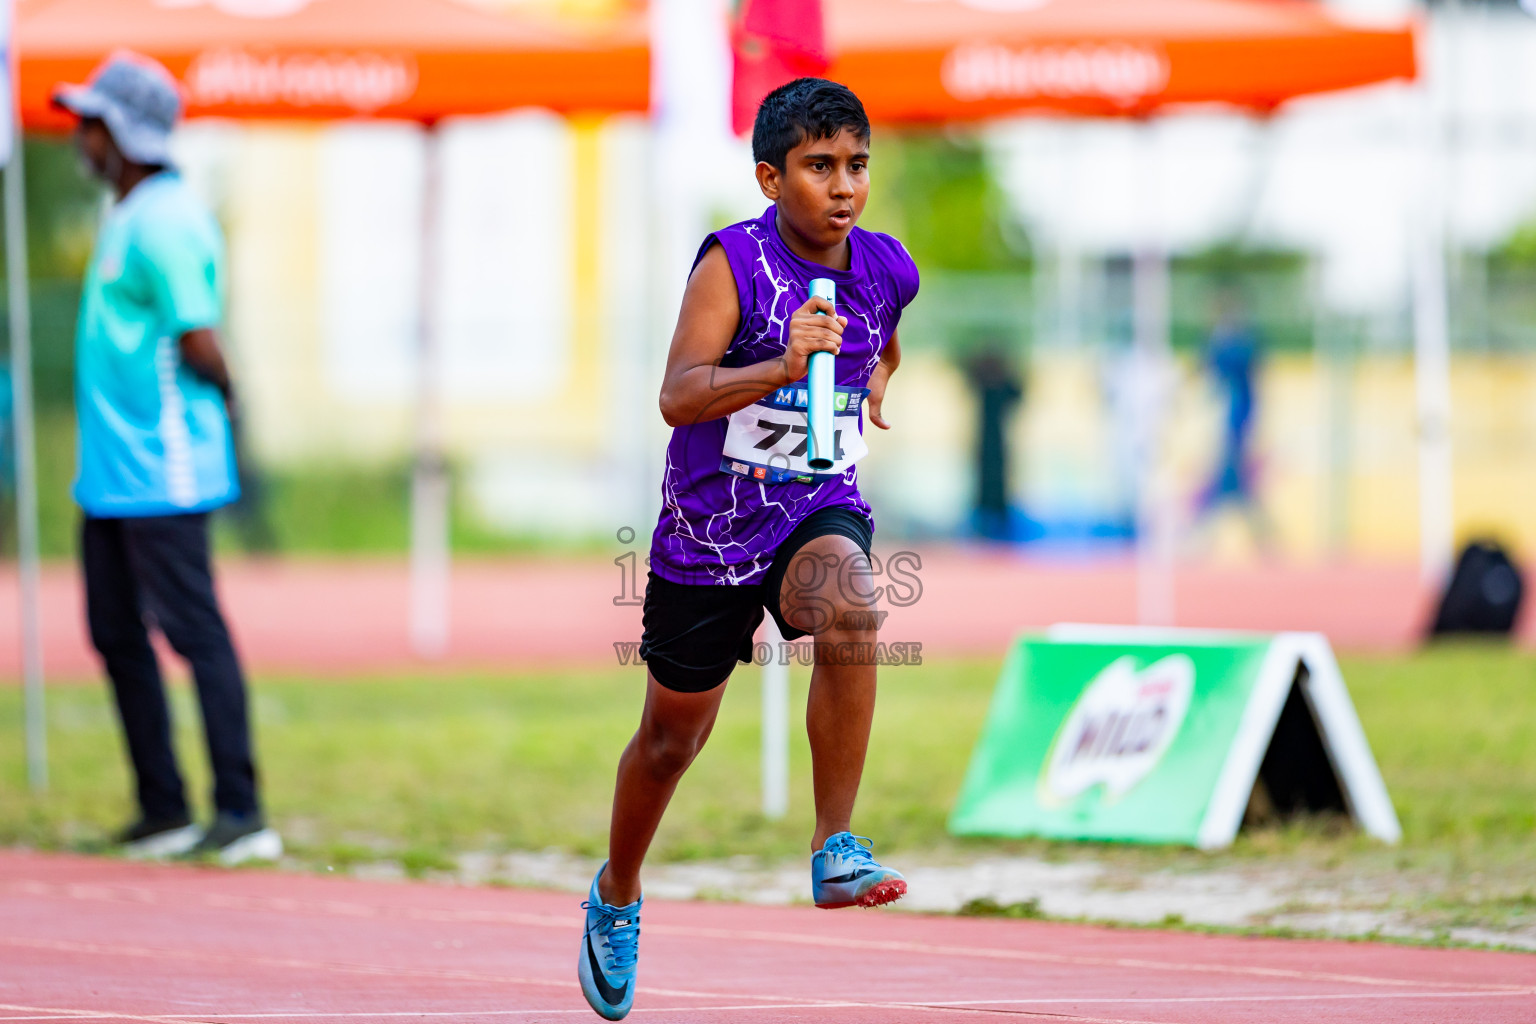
<point x="1483" y="595"/>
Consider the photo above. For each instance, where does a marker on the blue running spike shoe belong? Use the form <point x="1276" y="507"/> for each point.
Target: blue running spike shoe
<point x="843" y="874"/>
<point x="610" y="949"/>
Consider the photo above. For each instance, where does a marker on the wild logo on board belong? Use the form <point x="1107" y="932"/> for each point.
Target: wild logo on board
<point x="1119" y="729"/>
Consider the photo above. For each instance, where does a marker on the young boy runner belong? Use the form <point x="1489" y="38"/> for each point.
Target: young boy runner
<point x="744" y="524"/>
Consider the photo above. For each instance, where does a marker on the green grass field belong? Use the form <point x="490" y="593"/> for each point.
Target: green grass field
<point x="417" y="769"/>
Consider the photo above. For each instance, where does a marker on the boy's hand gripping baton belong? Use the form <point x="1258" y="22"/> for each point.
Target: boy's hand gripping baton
<point x="821" y="382"/>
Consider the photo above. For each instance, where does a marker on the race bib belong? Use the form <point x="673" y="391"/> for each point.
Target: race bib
<point x="769" y="439"/>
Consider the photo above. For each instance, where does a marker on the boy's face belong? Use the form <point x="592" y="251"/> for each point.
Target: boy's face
<point x="822" y="189"/>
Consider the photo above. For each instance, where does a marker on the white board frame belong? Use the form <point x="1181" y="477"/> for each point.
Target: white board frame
<point x="1338" y="725"/>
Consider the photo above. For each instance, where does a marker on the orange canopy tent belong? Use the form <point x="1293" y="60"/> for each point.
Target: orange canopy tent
<point x="935" y="61"/>
<point x="418" y="60"/>
<point x="957" y="60"/>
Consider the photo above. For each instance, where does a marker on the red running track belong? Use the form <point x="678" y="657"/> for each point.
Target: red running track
<point x="100" y="940"/>
<point x="338" y="618"/>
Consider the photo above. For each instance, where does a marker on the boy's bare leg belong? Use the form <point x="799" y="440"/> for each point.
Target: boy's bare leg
<point x="673" y="728"/>
<point x="836" y="605"/>
<point x="837" y="718"/>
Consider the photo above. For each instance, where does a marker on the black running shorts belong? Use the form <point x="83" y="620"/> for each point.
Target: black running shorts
<point x="695" y="634"/>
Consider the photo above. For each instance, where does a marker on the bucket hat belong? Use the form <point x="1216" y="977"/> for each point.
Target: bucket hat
<point x="136" y="98"/>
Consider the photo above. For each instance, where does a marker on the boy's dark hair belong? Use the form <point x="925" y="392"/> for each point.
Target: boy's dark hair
<point x="807" y="108"/>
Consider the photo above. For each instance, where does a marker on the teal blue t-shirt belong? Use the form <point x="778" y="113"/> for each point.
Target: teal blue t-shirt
<point x="154" y="436"/>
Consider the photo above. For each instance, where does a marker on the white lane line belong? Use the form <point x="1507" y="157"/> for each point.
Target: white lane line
<point x="724" y="1008"/>
<point x="331" y="966"/>
<point x="51" y="1013"/>
<point x="1076" y="960"/>
<point x="342" y="908"/>
<point x="160" y="954"/>
<point x="183" y="1018"/>
<point x="360" y="1014"/>
<point x="352" y="967"/>
<point x="61" y="1013"/>
<point x="1255" y="998"/>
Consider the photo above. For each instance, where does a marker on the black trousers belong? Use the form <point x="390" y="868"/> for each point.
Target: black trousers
<point x="155" y="571"/>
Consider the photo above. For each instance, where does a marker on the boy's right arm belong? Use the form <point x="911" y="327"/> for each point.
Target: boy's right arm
<point x="696" y="387"/>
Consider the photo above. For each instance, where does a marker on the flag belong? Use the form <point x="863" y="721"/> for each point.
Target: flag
<point x="773" y="41"/>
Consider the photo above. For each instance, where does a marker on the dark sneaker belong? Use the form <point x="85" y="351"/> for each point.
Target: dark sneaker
<point x="235" y="839"/>
<point x="155" y="838"/>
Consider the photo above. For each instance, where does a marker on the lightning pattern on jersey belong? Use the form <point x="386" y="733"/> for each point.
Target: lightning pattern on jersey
<point x="719" y="528"/>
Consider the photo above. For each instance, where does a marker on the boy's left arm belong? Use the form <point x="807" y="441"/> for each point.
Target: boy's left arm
<point x="890" y="358"/>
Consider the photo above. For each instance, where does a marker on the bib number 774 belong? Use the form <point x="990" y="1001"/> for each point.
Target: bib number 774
<point x="775" y="433"/>
<point x="769" y="440"/>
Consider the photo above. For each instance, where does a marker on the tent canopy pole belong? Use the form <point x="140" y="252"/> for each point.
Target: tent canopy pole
<point x="430" y="556"/>
<point x="26" y="463"/>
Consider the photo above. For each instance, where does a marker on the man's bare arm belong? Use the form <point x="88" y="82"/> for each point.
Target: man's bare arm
<point x="200" y="351"/>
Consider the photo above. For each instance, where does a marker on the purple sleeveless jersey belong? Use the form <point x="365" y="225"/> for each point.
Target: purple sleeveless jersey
<point x="718" y="528"/>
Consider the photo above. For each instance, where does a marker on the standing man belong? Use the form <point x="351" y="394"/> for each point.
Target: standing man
<point x="152" y="394"/>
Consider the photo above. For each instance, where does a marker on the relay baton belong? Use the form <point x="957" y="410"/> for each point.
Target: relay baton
<point x="821" y="383"/>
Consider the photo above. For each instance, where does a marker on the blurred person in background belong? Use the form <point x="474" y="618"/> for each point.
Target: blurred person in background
<point x="1233" y="359"/>
<point x="7" y="441"/>
<point x="152" y="395"/>
<point x="998" y="391"/>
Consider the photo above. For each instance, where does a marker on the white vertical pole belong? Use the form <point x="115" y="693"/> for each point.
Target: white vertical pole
<point x="626" y="258"/>
<point x="1154" y="515"/>
<point x="429" y="484"/>
<point x="775" y="726"/>
<point x="1152" y="363"/>
<point x="1432" y="392"/>
<point x="1335" y="380"/>
<point x="26" y="462"/>
<point x="1432" y="344"/>
<point x="1069" y="293"/>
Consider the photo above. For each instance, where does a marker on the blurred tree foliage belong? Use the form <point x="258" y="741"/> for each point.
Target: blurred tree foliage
<point x="1502" y="299"/>
<point x="1230" y="262"/>
<point x="934" y="191"/>
<point x="1270" y="286"/>
<point x="62" y="207"/>
<point x="62" y="210"/>
<point x="1519" y="250"/>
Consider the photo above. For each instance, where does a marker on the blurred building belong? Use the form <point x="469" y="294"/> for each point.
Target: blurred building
<point x="555" y="311"/>
<point x="542" y="237"/>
